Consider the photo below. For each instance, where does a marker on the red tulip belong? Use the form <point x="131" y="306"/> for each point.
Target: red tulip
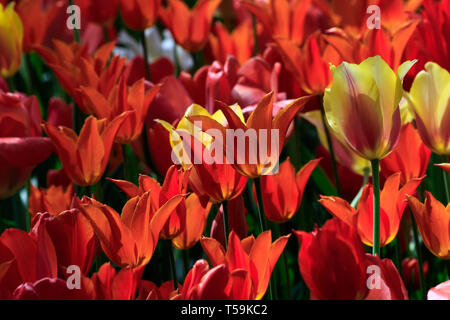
<point x="139" y="14"/>
<point x="20" y="136"/>
<point x="150" y="291"/>
<point x="256" y="256"/>
<point x="53" y="200"/>
<point x="410" y="272"/>
<point x="282" y="193"/>
<point x="49" y="289"/>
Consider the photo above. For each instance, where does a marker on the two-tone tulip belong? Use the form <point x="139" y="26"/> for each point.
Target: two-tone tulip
<point x="429" y="97"/>
<point x="361" y="106"/>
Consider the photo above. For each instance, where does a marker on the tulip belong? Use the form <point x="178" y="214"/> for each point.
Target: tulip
<point x="69" y="229"/>
<point x="433" y="221"/>
<point x="362" y="106"/>
<point x="334" y="266"/>
<point x="411" y="273"/>
<point x="74" y="68"/>
<point x="175" y="183"/>
<point x="281" y="18"/>
<point x="129" y="239"/>
<point x="122" y="99"/>
<point x="362" y="110"/>
<point x="103" y="12"/>
<point x="11" y="37"/>
<point x="36" y="20"/>
<point x="429" y="98"/>
<point x="445" y="166"/>
<point x="150" y="291"/>
<point x="53" y="200"/>
<point x="49" y="289"/>
<point x="190" y="28"/>
<point x="392" y="206"/>
<point x="262" y="127"/>
<point x="210" y="176"/>
<point x="257" y="256"/>
<point x="410" y="157"/>
<point x="108" y="284"/>
<point x="20" y="137"/>
<point x="85" y="157"/>
<point x="139" y="14"/>
<point x="218" y="283"/>
<point x="440" y="292"/>
<point x="238" y="43"/>
<point x="282" y="193"/>
<point x="308" y="64"/>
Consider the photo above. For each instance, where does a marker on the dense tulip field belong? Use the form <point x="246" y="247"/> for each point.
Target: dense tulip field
<point x="224" y="149"/>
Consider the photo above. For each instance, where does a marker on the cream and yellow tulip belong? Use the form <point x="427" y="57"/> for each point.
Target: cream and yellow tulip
<point x="11" y="38"/>
<point x="362" y="106"/>
<point x="430" y="99"/>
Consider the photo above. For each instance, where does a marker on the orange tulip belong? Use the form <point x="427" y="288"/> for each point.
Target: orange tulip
<point x="139" y="14"/>
<point x="282" y="193"/>
<point x="309" y="64"/>
<point x="121" y="99"/>
<point x="53" y="200"/>
<point x="238" y="43"/>
<point x="129" y="239"/>
<point x="85" y="157"/>
<point x="257" y="256"/>
<point x="74" y="68"/>
<point x="433" y="221"/>
<point x="281" y="18"/>
<point x="36" y="20"/>
<point x="261" y="128"/>
<point x="410" y="157"/>
<point x="175" y="183"/>
<point x="190" y="28"/>
<point x="392" y="206"/>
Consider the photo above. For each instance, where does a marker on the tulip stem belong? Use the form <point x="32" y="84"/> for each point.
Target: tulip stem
<point x="144" y="47"/>
<point x="126" y="173"/>
<point x="419" y="256"/>
<point x="10" y="83"/>
<point x="176" y="60"/>
<point x="445" y="176"/>
<point x="186" y="260"/>
<point x="262" y="221"/>
<point x="260" y="207"/>
<point x="226" y="228"/>
<point x="285" y="264"/>
<point x="76" y="34"/>
<point x="255" y="36"/>
<point x="330" y="145"/>
<point x="376" y="206"/>
<point x="173" y="266"/>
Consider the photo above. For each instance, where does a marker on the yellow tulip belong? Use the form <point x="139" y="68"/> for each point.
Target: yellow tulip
<point x="11" y="37"/>
<point x="430" y="99"/>
<point x="362" y="106"/>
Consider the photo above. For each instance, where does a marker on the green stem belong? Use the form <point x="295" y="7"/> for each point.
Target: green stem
<point x="176" y="60"/>
<point x="186" y="260"/>
<point x="261" y="213"/>
<point x="226" y="228"/>
<point x="255" y="36"/>
<point x="126" y="173"/>
<point x="445" y="177"/>
<point x="330" y="145"/>
<point x="10" y="83"/>
<point x="376" y="206"/>
<point x="76" y="34"/>
<point x="173" y="267"/>
<point x="262" y="221"/>
<point x="423" y="285"/>
<point x="285" y="264"/>
<point x="144" y="47"/>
